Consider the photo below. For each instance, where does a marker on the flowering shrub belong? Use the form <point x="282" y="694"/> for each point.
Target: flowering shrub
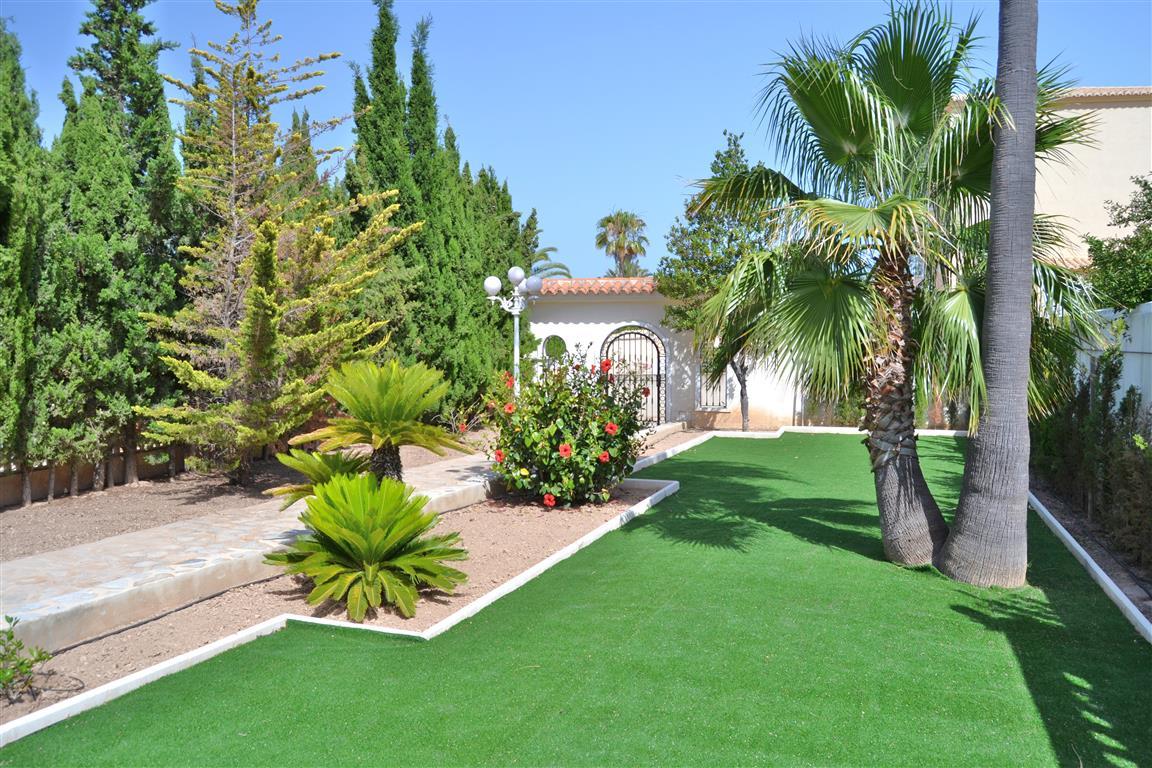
<point x="573" y="434"/>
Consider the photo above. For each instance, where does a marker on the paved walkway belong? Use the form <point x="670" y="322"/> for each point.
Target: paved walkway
<point x="71" y="594"/>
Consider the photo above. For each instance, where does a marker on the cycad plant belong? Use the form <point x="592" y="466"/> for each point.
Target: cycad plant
<point x="368" y="544"/>
<point x="318" y="468"/>
<point x="880" y="239"/>
<point x="385" y="407"/>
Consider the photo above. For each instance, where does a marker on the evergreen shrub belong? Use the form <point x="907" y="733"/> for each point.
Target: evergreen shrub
<point x="572" y="434"/>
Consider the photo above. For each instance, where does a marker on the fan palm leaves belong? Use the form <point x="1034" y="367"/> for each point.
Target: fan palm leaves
<point x="621" y="236"/>
<point x="385" y="407"/>
<point x="880" y="203"/>
<point x="368" y="544"/>
<point x="545" y="265"/>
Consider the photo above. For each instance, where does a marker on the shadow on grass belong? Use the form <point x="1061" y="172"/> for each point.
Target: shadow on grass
<point x="1096" y="704"/>
<point x="726" y="505"/>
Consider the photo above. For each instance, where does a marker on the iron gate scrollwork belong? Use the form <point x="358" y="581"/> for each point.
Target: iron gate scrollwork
<point x="637" y="354"/>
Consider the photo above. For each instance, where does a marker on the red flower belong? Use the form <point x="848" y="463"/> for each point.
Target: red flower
<point x="611" y="428"/>
<point x="463" y="427"/>
<point x="510" y="382"/>
<point x="499" y="455"/>
<point x="605" y="366"/>
<point x="509" y="408"/>
<point x="646" y="391"/>
<point x="549" y="500"/>
<point x="604" y="457"/>
<point x="565" y="451"/>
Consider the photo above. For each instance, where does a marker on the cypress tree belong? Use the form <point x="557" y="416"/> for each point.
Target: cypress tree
<point x="270" y="294"/>
<point x="21" y="233"/>
<point x="121" y="66"/>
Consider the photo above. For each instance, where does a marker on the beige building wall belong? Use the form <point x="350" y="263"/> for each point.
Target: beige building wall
<point x="1094" y="174"/>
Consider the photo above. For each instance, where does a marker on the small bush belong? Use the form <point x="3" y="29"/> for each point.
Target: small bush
<point x="367" y="545"/>
<point x="17" y="666"/>
<point x="572" y="435"/>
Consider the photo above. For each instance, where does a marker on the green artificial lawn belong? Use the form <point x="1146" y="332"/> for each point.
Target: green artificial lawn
<point x="750" y="619"/>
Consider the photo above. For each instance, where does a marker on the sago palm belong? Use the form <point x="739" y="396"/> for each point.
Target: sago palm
<point x="888" y="177"/>
<point x="385" y="407"/>
<point x="621" y="236"/>
<point x="368" y="544"/>
<point x="317" y="468"/>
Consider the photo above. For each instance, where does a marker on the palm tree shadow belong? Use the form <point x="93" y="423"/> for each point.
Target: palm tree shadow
<point x="725" y="505"/>
<point x="1095" y="706"/>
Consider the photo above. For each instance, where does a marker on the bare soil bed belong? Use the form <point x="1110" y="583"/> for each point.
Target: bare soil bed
<point x="503" y="538"/>
<point x="69" y="521"/>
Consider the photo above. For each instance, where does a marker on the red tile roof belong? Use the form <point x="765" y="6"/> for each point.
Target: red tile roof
<point x="584" y="286"/>
<point x="1110" y="90"/>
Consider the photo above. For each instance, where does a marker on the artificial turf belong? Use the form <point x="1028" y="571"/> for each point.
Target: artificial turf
<point x="748" y="620"/>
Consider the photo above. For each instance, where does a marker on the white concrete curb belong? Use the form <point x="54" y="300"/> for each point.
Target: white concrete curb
<point x="35" y="721"/>
<point x="1098" y="574"/>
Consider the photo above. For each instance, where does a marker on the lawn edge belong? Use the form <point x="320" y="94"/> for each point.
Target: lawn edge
<point x="1137" y="619"/>
<point x="36" y="721"/>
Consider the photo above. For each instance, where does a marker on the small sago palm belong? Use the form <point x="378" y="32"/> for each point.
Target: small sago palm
<point x="889" y="174"/>
<point x="368" y="544"/>
<point x="317" y="468"/>
<point x="385" y="406"/>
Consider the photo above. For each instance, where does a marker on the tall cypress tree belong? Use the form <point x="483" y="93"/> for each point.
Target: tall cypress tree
<point x="21" y="234"/>
<point x="121" y="66"/>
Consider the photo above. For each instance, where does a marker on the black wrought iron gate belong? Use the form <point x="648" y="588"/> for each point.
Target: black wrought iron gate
<point x="637" y="354"/>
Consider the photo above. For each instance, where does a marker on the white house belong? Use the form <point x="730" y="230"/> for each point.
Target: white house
<point x="620" y="318"/>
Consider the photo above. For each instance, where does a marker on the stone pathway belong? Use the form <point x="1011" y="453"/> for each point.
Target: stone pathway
<point x="74" y="594"/>
<point x="79" y="593"/>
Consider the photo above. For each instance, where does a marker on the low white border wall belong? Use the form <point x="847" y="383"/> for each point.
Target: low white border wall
<point x="35" y="721"/>
<point x="40" y="719"/>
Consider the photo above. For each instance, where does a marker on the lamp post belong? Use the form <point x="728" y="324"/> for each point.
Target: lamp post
<point x="524" y="290"/>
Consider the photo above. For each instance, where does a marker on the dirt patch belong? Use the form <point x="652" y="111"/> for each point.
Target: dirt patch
<point x="1134" y="580"/>
<point x="503" y="538"/>
<point x="67" y="522"/>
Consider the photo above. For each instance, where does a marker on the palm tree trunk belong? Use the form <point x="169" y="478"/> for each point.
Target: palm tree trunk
<point x="385" y="462"/>
<point x="990" y="543"/>
<point x="911" y="526"/>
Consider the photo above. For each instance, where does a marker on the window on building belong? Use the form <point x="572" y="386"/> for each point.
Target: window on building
<point x="712" y="396"/>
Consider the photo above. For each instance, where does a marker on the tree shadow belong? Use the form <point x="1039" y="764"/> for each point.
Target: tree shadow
<point x="726" y="505"/>
<point x="1088" y="672"/>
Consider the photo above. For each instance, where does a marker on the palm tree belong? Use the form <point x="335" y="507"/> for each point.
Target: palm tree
<point x="385" y="405"/>
<point x="989" y="545"/>
<point x="620" y="235"/>
<point x="888" y="184"/>
<point x="544" y="265"/>
<point x="627" y="269"/>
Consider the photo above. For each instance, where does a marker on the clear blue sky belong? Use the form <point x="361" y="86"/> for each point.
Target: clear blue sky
<point x="586" y="106"/>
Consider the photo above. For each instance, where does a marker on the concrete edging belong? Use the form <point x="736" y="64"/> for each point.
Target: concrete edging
<point x="36" y="721"/>
<point x="1137" y="619"/>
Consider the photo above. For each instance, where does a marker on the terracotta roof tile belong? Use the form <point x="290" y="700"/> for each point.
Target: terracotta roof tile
<point x="584" y="286"/>
<point x="1110" y="90"/>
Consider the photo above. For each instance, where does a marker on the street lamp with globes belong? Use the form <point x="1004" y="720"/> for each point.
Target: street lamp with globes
<point x="524" y="290"/>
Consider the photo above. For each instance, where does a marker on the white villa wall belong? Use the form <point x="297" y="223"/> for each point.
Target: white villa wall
<point x="585" y="321"/>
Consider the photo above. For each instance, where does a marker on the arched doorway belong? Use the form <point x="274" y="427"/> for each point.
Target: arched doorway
<point x="638" y="354"/>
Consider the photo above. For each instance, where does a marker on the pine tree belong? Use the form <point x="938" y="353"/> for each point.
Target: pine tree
<point x="21" y="233"/>
<point x="270" y="291"/>
<point x="121" y="66"/>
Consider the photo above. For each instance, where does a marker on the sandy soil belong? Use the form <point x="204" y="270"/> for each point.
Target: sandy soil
<point x="503" y="538"/>
<point x="66" y="522"/>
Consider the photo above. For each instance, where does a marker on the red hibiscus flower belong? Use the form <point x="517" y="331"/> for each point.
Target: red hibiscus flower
<point x="509" y="408"/>
<point x="565" y="451"/>
<point x="605" y="366"/>
<point x="463" y="427"/>
<point x="549" y="500"/>
<point x="499" y="455"/>
<point x="646" y="391"/>
<point x="604" y="457"/>
<point x="611" y="428"/>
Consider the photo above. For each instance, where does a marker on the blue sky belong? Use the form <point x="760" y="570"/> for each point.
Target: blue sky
<point x="585" y="106"/>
